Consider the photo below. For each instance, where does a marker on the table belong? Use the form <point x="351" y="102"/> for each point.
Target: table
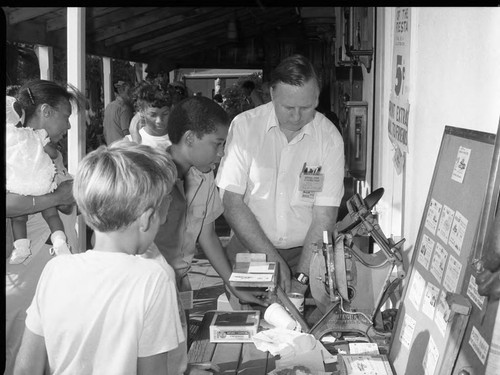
<point x="232" y="358"/>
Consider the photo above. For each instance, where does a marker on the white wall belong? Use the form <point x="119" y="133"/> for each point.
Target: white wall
<point x="455" y="80"/>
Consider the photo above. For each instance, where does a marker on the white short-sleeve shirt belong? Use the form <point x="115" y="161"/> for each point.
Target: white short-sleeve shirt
<point x="98" y="312"/>
<point x="265" y="168"/>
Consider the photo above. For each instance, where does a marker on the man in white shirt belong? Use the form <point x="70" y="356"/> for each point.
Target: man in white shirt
<point x="281" y="179"/>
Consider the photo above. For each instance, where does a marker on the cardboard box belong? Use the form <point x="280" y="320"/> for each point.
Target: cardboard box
<point x="234" y="326"/>
<point x="252" y="270"/>
<point x="364" y="364"/>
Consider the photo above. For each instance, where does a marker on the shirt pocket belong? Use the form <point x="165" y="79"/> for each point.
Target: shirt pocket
<point x="199" y="212"/>
<point x="301" y="198"/>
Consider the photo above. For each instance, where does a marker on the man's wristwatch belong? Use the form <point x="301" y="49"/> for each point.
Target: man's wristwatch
<point x="302" y="278"/>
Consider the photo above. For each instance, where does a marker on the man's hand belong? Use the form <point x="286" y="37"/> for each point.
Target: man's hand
<point x="254" y="297"/>
<point x="298" y="287"/>
<point x="488" y="283"/>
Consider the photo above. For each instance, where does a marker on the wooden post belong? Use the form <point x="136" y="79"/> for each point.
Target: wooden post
<point x="76" y="77"/>
<point x="107" y="72"/>
<point x="45" y="61"/>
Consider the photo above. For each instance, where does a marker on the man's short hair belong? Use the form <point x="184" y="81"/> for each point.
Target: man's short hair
<point x="116" y="184"/>
<point x="295" y="70"/>
<point x="199" y="114"/>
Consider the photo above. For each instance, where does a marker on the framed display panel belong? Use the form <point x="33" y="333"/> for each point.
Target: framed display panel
<point x="428" y="334"/>
<point x="480" y="350"/>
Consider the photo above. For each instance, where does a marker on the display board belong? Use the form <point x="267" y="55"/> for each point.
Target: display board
<point x="480" y="350"/>
<point x="428" y="334"/>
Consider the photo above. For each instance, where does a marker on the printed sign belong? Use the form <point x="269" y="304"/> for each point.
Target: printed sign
<point x="399" y="106"/>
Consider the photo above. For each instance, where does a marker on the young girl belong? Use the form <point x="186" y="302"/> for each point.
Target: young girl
<point x="31" y="171"/>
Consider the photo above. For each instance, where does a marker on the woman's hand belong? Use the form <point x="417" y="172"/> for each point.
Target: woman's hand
<point x="64" y="194"/>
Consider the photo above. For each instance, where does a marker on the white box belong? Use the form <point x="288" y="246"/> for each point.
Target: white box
<point x="234" y="326"/>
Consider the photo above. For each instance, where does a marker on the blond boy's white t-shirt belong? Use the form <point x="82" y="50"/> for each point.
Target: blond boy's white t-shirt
<point x="99" y="311"/>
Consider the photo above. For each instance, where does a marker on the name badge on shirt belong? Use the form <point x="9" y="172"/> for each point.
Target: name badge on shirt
<point x="310" y="179"/>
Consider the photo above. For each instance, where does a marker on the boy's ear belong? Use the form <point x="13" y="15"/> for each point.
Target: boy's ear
<point x="189" y="137"/>
<point x="145" y="220"/>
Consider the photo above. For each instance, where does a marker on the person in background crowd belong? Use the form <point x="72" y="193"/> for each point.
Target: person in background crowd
<point x="265" y="94"/>
<point x="488" y="278"/>
<point x="118" y="113"/>
<point x="51" y="111"/>
<point x="252" y="96"/>
<point x="149" y="124"/>
<point x="104" y="311"/>
<point x="218" y="99"/>
<point x="262" y="175"/>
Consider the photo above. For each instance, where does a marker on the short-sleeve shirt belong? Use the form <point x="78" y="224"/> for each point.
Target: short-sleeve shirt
<point x="265" y="168"/>
<point x="195" y="203"/>
<point x="116" y="121"/>
<point x="99" y="311"/>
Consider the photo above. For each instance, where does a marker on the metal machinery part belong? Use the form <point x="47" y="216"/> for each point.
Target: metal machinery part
<point x="337" y="270"/>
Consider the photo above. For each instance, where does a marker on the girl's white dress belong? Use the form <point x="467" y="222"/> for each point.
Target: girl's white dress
<point x="29" y="169"/>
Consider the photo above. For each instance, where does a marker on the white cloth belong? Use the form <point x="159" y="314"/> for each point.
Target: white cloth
<point x="262" y="165"/>
<point x="159" y="142"/>
<point x="99" y="311"/>
<point x="29" y="169"/>
<point x="177" y="358"/>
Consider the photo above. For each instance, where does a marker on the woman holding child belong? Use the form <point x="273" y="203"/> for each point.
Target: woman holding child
<point x="46" y="106"/>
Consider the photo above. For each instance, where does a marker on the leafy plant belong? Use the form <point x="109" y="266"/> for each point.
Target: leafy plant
<point x="234" y="100"/>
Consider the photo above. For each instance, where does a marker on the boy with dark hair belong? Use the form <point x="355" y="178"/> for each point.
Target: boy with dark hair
<point x="197" y="128"/>
<point x="108" y="311"/>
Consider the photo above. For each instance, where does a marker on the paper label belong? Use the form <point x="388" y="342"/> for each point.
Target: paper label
<point x="417" y="289"/>
<point x="457" y="232"/>
<point x="431" y="357"/>
<point x="438" y="262"/>
<point x="429" y="301"/>
<point x="425" y="252"/>
<point x="433" y="213"/>
<point x="461" y="163"/>
<point x="452" y="274"/>
<point x="478" y="344"/>
<point x="473" y="293"/>
<point x="407" y="329"/>
<point x="444" y="226"/>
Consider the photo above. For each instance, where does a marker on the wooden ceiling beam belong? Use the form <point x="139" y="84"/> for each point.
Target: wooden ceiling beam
<point x="198" y="27"/>
<point x="247" y="30"/>
<point x="141" y="26"/>
<point x="18" y="15"/>
<point x="32" y="32"/>
<point x="246" y="22"/>
<point x="59" y="23"/>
